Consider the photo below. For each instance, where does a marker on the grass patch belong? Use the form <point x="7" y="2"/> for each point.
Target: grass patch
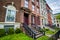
<point x="43" y="38"/>
<point x="57" y="29"/>
<point x="47" y="31"/>
<point x="50" y="32"/>
<point x="20" y="36"/>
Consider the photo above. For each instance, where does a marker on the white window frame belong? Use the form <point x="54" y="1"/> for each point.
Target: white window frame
<point x="12" y="8"/>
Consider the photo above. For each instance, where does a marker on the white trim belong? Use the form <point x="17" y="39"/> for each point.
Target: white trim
<point x="16" y="25"/>
<point x="7" y="8"/>
<point x="12" y="3"/>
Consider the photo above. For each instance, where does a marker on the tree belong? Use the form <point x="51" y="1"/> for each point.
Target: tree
<point x="58" y="16"/>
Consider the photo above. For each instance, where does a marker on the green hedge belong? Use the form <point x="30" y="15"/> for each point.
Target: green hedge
<point x="11" y="31"/>
<point x="51" y="38"/>
<point x="41" y="30"/>
<point x="17" y="30"/>
<point x="2" y="32"/>
<point x="46" y="29"/>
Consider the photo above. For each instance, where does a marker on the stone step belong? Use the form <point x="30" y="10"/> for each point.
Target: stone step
<point x="33" y="28"/>
<point x="37" y="32"/>
<point x="38" y="35"/>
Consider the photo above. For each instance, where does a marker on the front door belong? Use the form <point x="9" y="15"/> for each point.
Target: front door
<point x="26" y="20"/>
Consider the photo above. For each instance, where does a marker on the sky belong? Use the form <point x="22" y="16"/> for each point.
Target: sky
<point x="54" y="5"/>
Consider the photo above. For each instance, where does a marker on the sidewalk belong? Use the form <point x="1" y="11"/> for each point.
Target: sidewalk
<point x="49" y="28"/>
<point x="48" y="35"/>
<point x="59" y="39"/>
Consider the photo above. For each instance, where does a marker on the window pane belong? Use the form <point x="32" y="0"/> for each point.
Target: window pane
<point x="32" y="7"/>
<point x="26" y="3"/>
<point x="10" y="15"/>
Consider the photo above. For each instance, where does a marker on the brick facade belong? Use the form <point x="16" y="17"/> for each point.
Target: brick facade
<point x="20" y="18"/>
<point x="49" y="14"/>
<point x="19" y="5"/>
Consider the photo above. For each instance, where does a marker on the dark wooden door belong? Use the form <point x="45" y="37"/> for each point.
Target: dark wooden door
<point x="26" y="19"/>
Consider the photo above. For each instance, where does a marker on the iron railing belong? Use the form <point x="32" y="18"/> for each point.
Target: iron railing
<point x="29" y="31"/>
<point x="56" y="36"/>
<point x="38" y="28"/>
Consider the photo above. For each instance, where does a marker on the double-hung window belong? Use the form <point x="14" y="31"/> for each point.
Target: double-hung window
<point x="33" y="7"/>
<point x="26" y="3"/>
<point x="10" y="14"/>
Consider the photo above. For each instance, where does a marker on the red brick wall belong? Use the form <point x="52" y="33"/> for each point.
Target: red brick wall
<point x="2" y="12"/>
<point x="18" y="4"/>
<point x="49" y="14"/>
<point x="49" y="18"/>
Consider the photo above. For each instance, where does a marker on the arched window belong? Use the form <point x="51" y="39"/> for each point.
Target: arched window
<point x="10" y="14"/>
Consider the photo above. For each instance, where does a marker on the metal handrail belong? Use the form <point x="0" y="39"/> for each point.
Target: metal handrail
<point x="38" y="28"/>
<point x="29" y="30"/>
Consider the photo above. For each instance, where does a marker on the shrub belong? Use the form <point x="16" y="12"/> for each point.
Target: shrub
<point x="17" y="30"/>
<point x="41" y="30"/>
<point x="46" y="29"/>
<point x="2" y="32"/>
<point x="51" y="38"/>
<point x="57" y="29"/>
<point x="11" y="31"/>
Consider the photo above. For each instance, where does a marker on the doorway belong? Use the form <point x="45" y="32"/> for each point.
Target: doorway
<point x="26" y="18"/>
